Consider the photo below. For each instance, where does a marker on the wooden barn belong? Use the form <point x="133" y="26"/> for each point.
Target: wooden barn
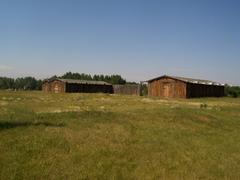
<point x="180" y="87"/>
<point x="76" y="86"/>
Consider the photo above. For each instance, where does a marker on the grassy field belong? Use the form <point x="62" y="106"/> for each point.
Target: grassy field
<point x="100" y="136"/>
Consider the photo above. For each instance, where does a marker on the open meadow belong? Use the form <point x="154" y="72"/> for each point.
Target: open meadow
<point x="102" y="136"/>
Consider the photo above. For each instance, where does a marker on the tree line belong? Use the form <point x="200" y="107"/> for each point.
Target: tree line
<point x="31" y="83"/>
<point x="112" y="79"/>
<point x="26" y="83"/>
<point x="232" y="91"/>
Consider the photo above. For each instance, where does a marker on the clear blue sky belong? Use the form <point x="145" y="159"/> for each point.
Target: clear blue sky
<point x="139" y="39"/>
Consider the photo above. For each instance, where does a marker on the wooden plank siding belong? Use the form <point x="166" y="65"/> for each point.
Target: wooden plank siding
<point x="167" y="87"/>
<point x="126" y="89"/>
<point x="58" y="86"/>
<point x="201" y="90"/>
<point x="177" y="87"/>
<point x="88" y="88"/>
<point x="54" y="86"/>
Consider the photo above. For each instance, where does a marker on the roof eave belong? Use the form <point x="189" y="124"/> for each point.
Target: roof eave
<point x="157" y="78"/>
<point x="178" y="79"/>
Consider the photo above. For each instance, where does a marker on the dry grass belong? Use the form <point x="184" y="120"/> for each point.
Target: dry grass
<point x="99" y="136"/>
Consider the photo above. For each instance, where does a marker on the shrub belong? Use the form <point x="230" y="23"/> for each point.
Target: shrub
<point x="203" y="106"/>
<point x="235" y="94"/>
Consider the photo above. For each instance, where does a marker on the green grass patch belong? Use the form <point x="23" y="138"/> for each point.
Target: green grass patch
<point x="101" y="136"/>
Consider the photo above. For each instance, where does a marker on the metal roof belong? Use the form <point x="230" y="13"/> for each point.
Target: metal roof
<point x="75" y="81"/>
<point x="189" y="80"/>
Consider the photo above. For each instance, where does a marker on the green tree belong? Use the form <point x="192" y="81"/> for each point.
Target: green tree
<point x="6" y="83"/>
<point x="113" y="79"/>
<point x="233" y="91"/>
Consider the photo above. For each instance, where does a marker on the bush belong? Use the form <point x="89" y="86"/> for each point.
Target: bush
<point x="203" y="106"/>
<point x="232" y="91"/>
<point x="235" y="94"/>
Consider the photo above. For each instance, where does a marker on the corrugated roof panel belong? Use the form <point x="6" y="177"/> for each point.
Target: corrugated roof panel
<point x="75" y="81"/>
<point x="189" y="80"/>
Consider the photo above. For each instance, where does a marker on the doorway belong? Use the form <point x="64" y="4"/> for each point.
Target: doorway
<point x="166" y="90"/>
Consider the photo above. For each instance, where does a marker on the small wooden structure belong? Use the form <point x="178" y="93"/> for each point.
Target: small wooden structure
<point x="75" y="86"/>
<point x="180" y="87"/>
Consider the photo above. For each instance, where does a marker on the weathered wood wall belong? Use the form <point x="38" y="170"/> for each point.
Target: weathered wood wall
<point x="54" y="86"/>
<point x="173" y="88"/>
<point x="61" y="87"/>
<point x="167" y="87"/>
<point x="89" y="88"/>
<point x="201" y="90"/>
<point x="46" y="87"/>
<point x="129" y="89"/>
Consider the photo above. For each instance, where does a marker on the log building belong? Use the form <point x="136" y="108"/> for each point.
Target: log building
<point x="180" y="87"/>
<point x="75" y="86"/>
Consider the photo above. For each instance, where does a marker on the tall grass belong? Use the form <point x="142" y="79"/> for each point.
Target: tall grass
<point x="99" y="136"/>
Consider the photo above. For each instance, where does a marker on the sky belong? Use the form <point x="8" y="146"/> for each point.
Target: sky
<point x="139" y="39"/>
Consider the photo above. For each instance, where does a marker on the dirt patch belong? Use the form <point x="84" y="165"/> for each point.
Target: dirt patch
<point x="171" y="102"/>
<point x="57" y="111"/>
<point x="105" y="99"/>
<point x="76" y="108"/>
<point x="3" y="103"/>
<point x="203" y="119"/>
<point x="147" y="100"/>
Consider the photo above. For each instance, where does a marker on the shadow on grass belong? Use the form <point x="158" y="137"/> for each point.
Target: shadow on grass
<point x="9" y="125"/>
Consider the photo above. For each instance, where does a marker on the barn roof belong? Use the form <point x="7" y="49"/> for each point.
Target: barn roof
<point x="75" y="81"/>
<point x="189" y="80"/>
